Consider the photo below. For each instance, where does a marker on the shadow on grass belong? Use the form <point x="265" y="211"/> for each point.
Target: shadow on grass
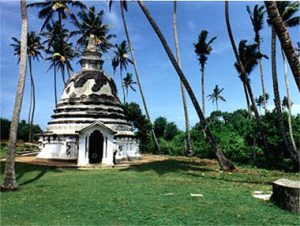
<point x="196" y="169"/>
<point x="169" y="165"/>
<point x="22" y="169"/>
<point x="232" y="178"/>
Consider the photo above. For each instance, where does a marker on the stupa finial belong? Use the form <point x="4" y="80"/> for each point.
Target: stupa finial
<point x="92" y="44"/>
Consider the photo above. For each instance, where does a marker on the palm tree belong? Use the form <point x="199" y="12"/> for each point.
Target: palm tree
<point x="224" y="163"/>
<point x="249" y="56"/>
<point x="54" y="32"/>
<point x="203" y="49"/>
<point x="62" y="7"/>
<point x="286" y="103"/>
<point x="128" y="82"/>
<point x="260" y="101"/>
<point x="33" y="53"/>
<point x="9" y="178"/>
<point x="244" y="77"/>
<point x="123" y="7"/>
<point x="89" y="23"/>
<point x="60" y="57"/>
<point x="182" y="89"/>
<point x="121" y="60"/>
<point x="216" y="95"/>
<point x="279" y="25"/>
<point x="286" y="10"/>
<point x="257" y="20"/>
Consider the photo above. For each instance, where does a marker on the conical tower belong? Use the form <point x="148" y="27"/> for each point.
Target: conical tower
<point x="89" y="103"/>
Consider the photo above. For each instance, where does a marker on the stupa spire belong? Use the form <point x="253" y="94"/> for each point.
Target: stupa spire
<point x="92" y="44"/>
<point x="91" y="58"/>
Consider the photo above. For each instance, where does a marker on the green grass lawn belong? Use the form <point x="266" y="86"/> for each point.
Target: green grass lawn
<point x="156" y="193"/>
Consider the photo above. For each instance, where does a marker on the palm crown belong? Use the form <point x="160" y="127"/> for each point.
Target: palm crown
<point x="91" y="23"/>
<point x="33" y="46"/>
<point x="203" y="48"/>
<point x="121" y="58"/>
<point x="249" y="56"/>
<point x="61" y="7"/>
<point x="257" y="20"/>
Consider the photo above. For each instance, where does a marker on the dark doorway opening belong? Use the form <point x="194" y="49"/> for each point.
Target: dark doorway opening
<point x="96" y="147"/>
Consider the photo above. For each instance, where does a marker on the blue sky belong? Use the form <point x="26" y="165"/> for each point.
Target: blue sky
<point x="159" y="80"/>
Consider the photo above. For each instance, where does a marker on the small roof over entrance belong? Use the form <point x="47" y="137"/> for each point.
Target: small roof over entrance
<point x="98" y="125"/>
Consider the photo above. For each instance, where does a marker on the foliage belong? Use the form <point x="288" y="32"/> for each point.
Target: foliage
<point x="141" y="125"/>
<point x="171" y="131"/>
<point x="91" y="22"/>
<point x="155" y="193"/>
<point x="203" y="47"/>
<point x="23" y="130"/>
<point x="159" y="125"/>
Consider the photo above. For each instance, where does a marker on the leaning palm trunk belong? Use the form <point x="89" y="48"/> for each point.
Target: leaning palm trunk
<point x="138" y="77"/>
<point x="185" y="109"/>
<point x="202" y="90"/>
<point x="245" y="80"/>
<point x="289" y="101"/>
<point x="288" y="144"/>
<point x="33" y="99"/>
<point x="224" y="163"/>
<point x="9" y="181"/>
<point x="262" y="79"/>
<point x="285" y="40"/>
<point x="247" y="100"/>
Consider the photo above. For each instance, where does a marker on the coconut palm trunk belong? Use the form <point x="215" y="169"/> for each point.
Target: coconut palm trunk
<point x="224" y="163"/>
<point x="138" y="77"/>
<point x="55" y="85"/>
<point x="288" y="144"/>
<point x="247" y="100"/>
<point x="121" y="76"/>
<point x="202" y="90"/>
<point x="285" y="40"/>
<point x="32" y="99"/>
<point x="185" y="108"/>
<point x="288" y="100"/>
<point x="262" y="79"/>
<point x="245" y="80"/>
<point x="9" y="181"/>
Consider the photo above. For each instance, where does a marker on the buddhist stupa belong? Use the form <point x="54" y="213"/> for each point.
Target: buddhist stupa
<point x="89" y="123"/>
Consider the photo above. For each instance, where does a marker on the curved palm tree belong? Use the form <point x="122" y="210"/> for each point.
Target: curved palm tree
<point x="128" y="82"/>
<point x="224" y="163"/>
<point x="9" y="178"/>
<point x="121" y="60"/>
<point x="215" y="96"/>
<point x="286" y="11"/>
<point x="33" y="53"/>
<point x="257" y="20"/>
<point x="89" y="23"/>
<point x="203" y="49"/>
<point x="189" y="151"/>
<point x="279" y="16"/>
<point x="244" y="77"/>
<point x="62" y="7"/>
<point x="123" y="7"/>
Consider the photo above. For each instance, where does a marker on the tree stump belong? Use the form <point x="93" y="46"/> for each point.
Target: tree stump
<point x="286" y="194"/>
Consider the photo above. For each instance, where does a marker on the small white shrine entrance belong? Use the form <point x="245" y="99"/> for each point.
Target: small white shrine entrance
<point x="96" y="144"/>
